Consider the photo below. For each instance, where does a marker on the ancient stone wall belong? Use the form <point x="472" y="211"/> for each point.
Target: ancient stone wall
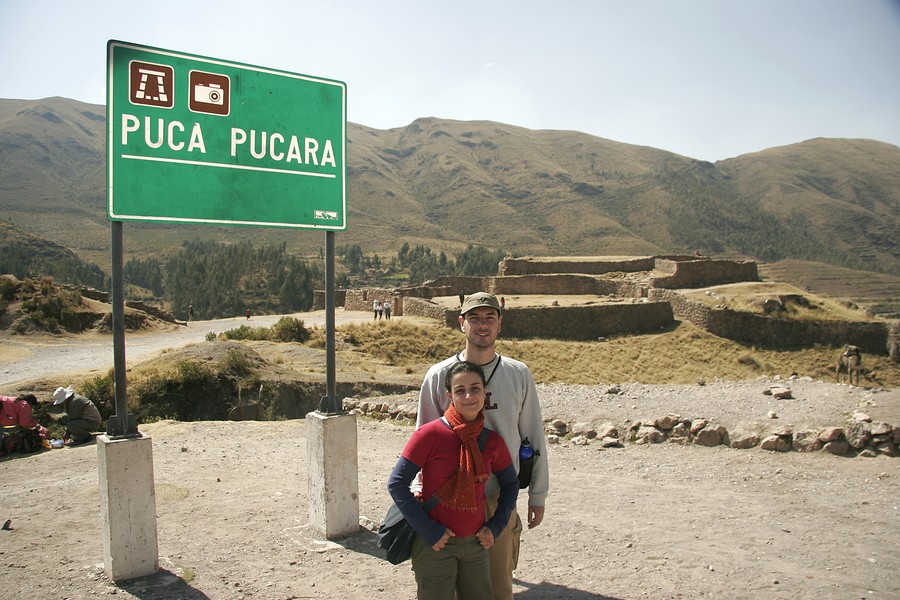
<point x="581" y="322"/>
<point x="551" y="285"/>
<point x="319" y="299"/>
<point x="422" y="307"/>
<point x="774" y="332"/>
<point x="363" y="299"/>
<point x="702" y="272"/>
<point x="448" y="286"/>
<point x="684" y="308"/>
<point x="530" y="266"/>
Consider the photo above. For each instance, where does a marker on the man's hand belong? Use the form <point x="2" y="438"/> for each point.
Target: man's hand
<point x="443" y="541"/>
<point x="485" y="537"/>
<point x="535" y="516"/>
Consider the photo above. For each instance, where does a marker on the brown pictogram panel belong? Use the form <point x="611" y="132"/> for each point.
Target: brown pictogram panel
<point x="210" y="93"/>
<point x="151" y="84"/>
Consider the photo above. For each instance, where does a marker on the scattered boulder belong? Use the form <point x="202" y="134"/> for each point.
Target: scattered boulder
<point x="610" y="442"/>
<point x="881" y="428"/>
<point x="649" y="435"/>
<point x="607" y="430"/>
<point x="680" y="434"/>
<point x="697" y="425"/>
<point x="806" y="440"/>
<point x="775" y="443"/>
<point x="743" y="439"/>
<point x="557" y="427"/>
<point x="858" y="434"/>
<point x="839" y="447"/>
<point x="584" y="429"/>
<point x="887" y="449"/>
<point x="830" y="434"/>
<point x="667" y="422"/>
<point x="778" y="391"/>
<point x="711" y="435"/>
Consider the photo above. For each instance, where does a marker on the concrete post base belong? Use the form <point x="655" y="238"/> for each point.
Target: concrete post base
<point x="333" y="469"/>
<point x="127" y="507"/>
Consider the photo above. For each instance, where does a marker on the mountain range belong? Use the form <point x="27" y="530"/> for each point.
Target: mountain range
<point x="446" y="184"/>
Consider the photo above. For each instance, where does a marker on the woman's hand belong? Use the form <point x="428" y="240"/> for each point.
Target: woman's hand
<point x="485" y="537"/>
<point x="443" y="541"/>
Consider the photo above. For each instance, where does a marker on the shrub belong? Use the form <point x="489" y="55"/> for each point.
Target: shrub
<point x="236" y="363"/>
<point x="101" y="391"/>
<point x="7" y="289"/>
<point x="289" y="329"/>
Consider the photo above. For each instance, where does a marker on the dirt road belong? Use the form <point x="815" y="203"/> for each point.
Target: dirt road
<point x="28" y="358"/>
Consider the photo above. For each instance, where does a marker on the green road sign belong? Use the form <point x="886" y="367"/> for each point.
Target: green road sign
<point x="201" y="140"/>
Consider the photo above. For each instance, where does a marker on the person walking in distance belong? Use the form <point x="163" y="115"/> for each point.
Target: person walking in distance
<point x="511" y="408"/>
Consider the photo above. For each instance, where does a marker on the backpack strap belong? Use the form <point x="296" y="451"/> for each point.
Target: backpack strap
<point x="432" y="502"/>
<point x="483" y="438"/>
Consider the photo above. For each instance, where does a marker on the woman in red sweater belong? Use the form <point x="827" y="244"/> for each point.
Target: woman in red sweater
<point x="450" y="551"/>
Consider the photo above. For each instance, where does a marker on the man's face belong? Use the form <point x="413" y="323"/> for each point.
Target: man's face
<point x="481" y="326"/>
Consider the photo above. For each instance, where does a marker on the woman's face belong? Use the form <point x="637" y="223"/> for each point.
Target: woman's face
<point x="467" y="395"/>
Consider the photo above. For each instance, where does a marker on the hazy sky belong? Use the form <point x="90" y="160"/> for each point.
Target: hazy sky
<point x="709" y="79"/>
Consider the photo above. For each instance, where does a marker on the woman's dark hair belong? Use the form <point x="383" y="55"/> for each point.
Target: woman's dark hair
<point x="463" y="366"/>
<point x="29" y="398"/>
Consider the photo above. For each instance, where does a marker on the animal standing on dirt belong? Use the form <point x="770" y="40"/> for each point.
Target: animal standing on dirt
<point x="849" y="363"/>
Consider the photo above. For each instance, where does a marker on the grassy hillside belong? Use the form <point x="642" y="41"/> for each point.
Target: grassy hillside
<point x="875" y="292"/>
<point x="445" y="184"/>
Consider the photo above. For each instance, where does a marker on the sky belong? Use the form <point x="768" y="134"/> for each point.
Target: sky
<point x="708" y="79"/>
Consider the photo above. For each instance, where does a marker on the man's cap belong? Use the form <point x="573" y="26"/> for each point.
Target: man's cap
<point x="61" y="393"/>
<point x="478" y="300"/>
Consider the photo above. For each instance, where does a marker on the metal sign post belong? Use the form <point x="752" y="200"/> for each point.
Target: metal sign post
<point x="200" y="140"/>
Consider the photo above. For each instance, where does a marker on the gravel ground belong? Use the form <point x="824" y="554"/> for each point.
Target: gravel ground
<point x="742" y="405"/>
<point x="642" y="521"/>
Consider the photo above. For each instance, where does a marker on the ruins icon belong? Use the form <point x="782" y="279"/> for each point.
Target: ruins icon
<point x="151" y="84"/>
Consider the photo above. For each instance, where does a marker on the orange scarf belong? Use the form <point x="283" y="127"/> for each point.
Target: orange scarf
<point x="458" y="492"/>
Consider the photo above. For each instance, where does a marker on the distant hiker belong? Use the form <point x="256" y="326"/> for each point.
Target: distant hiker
<point x="248" y="314"/>
<point x="502" y="303"/>
<point x="462" y="298"/>
<point x="81" y="415"/>
<point x="387" y="310"/>
<point x="376" y="308"/>
<point x="190" y="312"/>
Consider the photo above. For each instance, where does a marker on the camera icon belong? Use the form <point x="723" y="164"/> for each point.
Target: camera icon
<point x="209" y="94"/>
